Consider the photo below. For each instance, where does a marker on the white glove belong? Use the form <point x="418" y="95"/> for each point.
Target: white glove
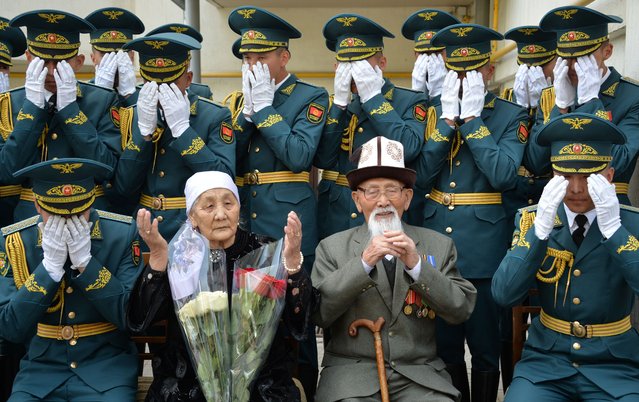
<point x="126" y="74"/>
<point x="606" y="203"/>
<point x="520" y="86"/>
<point x="342" y="84"/>
<point x="537" y="81"/>
<point x="420" y="69"/>
<point x="106" y="70"/>
<point x="66" y="84"/>
<point x="589" y="78"/>
<point x="246" y="90"/>
<point x="564" y="91"/>
<point x="551" y="197"/>
<point x="4" y="82"/>
<point x="262" y="86"/>
<point x="147" y="107"/>
<point x="436" y="74"/>
<point x="450" y="96"/>
<point x="54" y="246"/>
<point x="368" y="80"/>
<point x="34" y="82"/>
<point x="177" y="108"/>
<point x="473" y="96"/>
<point x="79" y="241"/>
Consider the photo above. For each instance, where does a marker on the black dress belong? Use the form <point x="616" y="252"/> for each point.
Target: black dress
<point x="173" y="374"/>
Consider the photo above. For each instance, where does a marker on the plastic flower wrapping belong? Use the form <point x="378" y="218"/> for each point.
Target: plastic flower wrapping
<point x="227" y="346"/>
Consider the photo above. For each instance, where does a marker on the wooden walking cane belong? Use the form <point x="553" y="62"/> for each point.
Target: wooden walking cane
<point x="375" y="328"/>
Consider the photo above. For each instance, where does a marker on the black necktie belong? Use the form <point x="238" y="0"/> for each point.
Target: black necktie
<point x="578" y="234"/>
<point x="51" y="104"/>
<point x="390" y="270"/>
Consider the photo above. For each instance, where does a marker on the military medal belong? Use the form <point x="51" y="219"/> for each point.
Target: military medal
<point x="408" y="309"/>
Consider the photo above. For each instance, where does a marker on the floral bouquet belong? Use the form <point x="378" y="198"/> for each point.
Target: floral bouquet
<point x="259" y="290"/>
<point x="197" y="277"/>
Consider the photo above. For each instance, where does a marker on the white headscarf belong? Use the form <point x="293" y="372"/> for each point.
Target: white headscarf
<point x="204" y="181"/>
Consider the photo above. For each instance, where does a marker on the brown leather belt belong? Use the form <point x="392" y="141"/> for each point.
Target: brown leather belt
<point x="579" y="330"/>
<point x="452" y="199"/>
<point x="162" y="203"/>
<point x="68" y="332"/>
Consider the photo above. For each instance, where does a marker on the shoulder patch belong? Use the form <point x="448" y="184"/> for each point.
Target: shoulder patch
<point x="522" y="132"/>
<point x="113" y="216"/>
<point x="136" y="253"/>
<point x="315" y="113"/>
<point x="115" y="116"/>
<point x="420" y="112"/>
<point x="4" y="264"/>
<point x="226" y="133"/>
<point x="18" y="226"/>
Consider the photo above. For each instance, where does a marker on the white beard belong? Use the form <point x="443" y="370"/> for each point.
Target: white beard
<point x="377" y="227"/>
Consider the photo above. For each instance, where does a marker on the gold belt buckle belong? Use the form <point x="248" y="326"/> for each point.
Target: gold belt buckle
<point x="254" y="177"/>
<point x="578" y="330"/>
<point x="158" y="203"/>
<point x="67" y="332"/>
<point x="447" y="199"/>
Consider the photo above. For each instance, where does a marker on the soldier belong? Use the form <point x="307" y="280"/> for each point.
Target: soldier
<point x="428" y="76"/>
<point x="278" y="134"/>
<point x="65" y="279"/>
<point x="196" y="88"/>
<point x="12" y="44"/>
<point x="114" y="68"/>
<point x="471" y="156"/>
<point x="536" y="56"/>
<point x="377" y="107"/>
<point x="583" y="83"/>
<point x="54" y="115"/>
<point x="582" y="256"/>
<point x="172" y="133"/>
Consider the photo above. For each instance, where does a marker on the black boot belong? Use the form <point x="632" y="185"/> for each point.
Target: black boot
<point x="484" y="385"/>
<point x="459" y="375"/>
<point x="506" y="364"/>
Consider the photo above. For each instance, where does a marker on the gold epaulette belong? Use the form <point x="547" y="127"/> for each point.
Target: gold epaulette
<point x="7" y="230"/>
<point x="235" y="102"/>
<point x="126" y="124"/>
<point x="113" y="216"/>
<point x="431" y="123"/>
<point x="6" y="118"/>
<point x="547" y="102"/>
<point x="349" y="134"/>
<point x="507" y="94"/>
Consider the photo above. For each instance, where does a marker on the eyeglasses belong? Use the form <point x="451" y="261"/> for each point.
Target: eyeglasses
<point x="373" y="193"/>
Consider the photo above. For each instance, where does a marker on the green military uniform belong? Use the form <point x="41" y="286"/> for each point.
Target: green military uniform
<point x="88" y="127"/>
<point x="201" y="90"/>
<point x="12" y="44"/>
<point x="159" y="167"/>
<point x="468" y="167"/>
<point x="420" y="27"/>
<point x="581" y="347"/>
<point x="397" y="113"/>
<point x="618" y="99"/>
<point x="74" y="329"/>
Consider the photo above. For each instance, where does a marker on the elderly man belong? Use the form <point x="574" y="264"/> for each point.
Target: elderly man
<point x="384" y="268"/>
<point x="65" y="279"/>
<point x="579" y="248"/>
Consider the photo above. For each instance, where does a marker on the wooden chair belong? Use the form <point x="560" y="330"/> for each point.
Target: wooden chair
<point x="520" y="316"/>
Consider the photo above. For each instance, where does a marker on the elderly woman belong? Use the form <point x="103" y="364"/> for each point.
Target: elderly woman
<point x="213" y="208"/>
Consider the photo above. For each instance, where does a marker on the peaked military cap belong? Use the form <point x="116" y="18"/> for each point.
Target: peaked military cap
<point x="534" y="46"/>
<point x="354" y="37"/>
<point x="178" y="28"/>
<point x="113" y="28"/>
<point x="12" y="42"/>
<point x="422" y="25"/>
<point x="468" y="46"/>
<point x="580" y="30"/>
<point x="52" y="34"/>
<point x="163" y="57"/>
<point x="236" y="48"/>
<point x="580" y="142"/>
<point x="65" y="186"/>
<point x="261" y="31"/>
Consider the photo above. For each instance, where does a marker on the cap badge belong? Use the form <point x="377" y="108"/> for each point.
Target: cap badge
<point x="347" y="21"/>
<point x="462" y="31"/>
<point x="246" y="13"/>
<point x="178" y="29"/>
<point x="52" y="18"/>
<point x="566" y="14"/>
<point x="528" y="31"/>
<point x="577" y="123"/>
<point x="156" y="44"/>
<point x="3" y="25"/>
<point x="66" y="168"/>
<point x="113" y="14"/>
<point x="428" y="16"/>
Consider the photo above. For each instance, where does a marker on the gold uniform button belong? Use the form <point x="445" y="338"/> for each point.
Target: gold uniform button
<point x="577" y="272"/>
<point x="575" y="364"/>
<point x="457" y="163"/>
<point x="353" y="215"/>
<point x="449" y="230"/>
<point x="530" y="201"/>
<point x="73" y="365"/>
<point x="71" y="314"/>
<point x="160" y="218"/>
<point x="161" y="174"/>
<point x="257" y="149"/>
<point x="54" y="136"/>
<point x="109" y="185"/>
<point x="73" y="342"/>
<point x="531" y="181"/>
<point x="253" y="215"/>
<point x="162" y="151"/>
<point x="576" y="300"/>
<point x="453" y="184"/>
<point x="69" y="290"/>
<point x="391" y="333"/>
<point x="576" y="346"/>
<point x="254" y="193"/>
<point x="360" y="130"/>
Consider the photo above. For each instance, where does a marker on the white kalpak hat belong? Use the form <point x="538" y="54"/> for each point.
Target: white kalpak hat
<point x="380" y="157"/>
<point x="204" y="181"/>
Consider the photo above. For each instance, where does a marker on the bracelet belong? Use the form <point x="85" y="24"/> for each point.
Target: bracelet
<point x="296" y="270"/>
